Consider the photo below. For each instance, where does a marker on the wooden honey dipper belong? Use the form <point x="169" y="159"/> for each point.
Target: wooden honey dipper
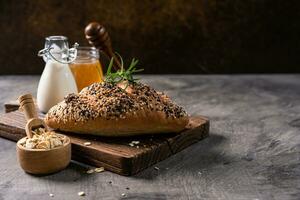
<point x="97" y="35"/>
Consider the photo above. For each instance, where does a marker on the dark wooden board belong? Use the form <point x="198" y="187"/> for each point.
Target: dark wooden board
<point x="115" y="154"/>
<point x="11" y="106"/>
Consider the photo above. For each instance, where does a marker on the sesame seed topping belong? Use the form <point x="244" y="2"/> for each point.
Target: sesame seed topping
<point x="112" y="102"/>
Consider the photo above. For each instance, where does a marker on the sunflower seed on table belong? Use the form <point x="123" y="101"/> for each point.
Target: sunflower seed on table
<point x="81" y="193"/>
<point x="87" y="143"/>
<point x="99" y="169"/>
<point x="90" y="171"/>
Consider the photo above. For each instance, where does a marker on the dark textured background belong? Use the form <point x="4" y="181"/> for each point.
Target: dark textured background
<point x="194" y="36"/>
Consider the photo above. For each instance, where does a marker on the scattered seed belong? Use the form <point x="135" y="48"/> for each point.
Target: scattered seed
<point x="51" y="195"/>
<point x="167" y="168"/>
<point x="87" y="143"/>
<point x="137" y="147"/>
<point x="123" y="194"/>
<point x="156" y="168"/>
<point x="100" y="169"/>
<point x="90" y="171"/>
<point x="199" y="173"/>
<point x="131" y="144"/>
<point x="81" y="193"/>
<point x="135" y="142"/>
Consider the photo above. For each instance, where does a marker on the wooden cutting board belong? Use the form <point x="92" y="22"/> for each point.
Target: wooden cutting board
<point x="115" y="154"/>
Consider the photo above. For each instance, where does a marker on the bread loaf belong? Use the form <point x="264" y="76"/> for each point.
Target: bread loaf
<point x="122" y="109"/>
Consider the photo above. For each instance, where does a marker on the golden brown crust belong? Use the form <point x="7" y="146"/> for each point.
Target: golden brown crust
<point x="117" y="110"/>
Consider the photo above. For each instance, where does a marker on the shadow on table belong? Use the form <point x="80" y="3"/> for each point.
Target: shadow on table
<point x="74" y="172"/>
<point x="148" y="196"/>
<point x="201" y="156"/>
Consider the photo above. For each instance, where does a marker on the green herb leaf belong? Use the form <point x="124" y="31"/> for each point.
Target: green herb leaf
<point x="110" y="66"/>
<point x="122" y="74"/>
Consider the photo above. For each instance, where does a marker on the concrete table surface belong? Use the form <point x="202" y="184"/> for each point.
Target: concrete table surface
<point x="253" y="151"/>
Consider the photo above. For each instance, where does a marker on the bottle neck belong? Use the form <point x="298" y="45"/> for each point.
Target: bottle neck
<point x="57" y="49"/>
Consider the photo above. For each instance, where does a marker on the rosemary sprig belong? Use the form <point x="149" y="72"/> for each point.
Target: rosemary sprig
<point x="122" y="74"/>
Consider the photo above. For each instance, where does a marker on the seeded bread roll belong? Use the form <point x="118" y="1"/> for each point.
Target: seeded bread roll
<point x="117" y="110"/>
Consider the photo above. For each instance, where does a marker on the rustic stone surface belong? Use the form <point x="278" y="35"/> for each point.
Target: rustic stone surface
<point x="176" y="36"/>
<point x="252" y="153"/>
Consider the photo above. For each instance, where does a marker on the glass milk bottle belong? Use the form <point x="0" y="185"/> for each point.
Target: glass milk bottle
<point x="57" y="80"/>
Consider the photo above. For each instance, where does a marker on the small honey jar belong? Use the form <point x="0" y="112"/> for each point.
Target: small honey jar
<point x="86" y="68"/>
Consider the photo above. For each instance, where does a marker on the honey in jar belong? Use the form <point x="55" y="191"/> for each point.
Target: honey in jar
<point x="86" y="68"/>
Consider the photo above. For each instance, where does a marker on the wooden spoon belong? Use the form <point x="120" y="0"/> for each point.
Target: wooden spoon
<point x="40" y="161"/>
<point x="28" y="107"/>
<point x="97" y="36"/>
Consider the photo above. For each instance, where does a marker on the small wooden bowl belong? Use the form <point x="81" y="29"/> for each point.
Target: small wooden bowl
<point x="40" y="161"/>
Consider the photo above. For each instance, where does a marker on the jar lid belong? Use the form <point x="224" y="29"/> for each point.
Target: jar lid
<point x="57" y="48"/>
